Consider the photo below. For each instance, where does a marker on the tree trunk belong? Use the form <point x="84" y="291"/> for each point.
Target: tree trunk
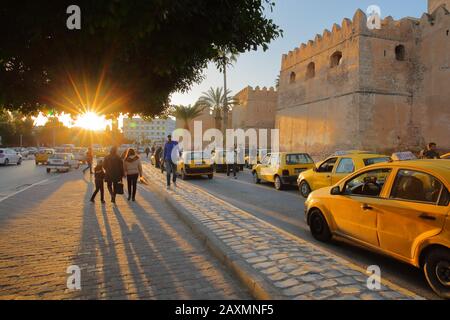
<point x="225" y="104"/>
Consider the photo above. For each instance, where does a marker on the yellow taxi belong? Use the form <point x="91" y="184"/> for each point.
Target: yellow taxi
<point x="400" y="209"/>
<point x="335" y="168"/>
<point x="195" y="164"/>
<point x="100" y="152"/>
<point x="41" y="157"/>
<point x="446" y="156"/>
<point x="282" y="168"/>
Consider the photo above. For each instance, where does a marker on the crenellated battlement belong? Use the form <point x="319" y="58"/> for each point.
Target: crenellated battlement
<point x="396" y="30"/>
<point x="257" y="90"/>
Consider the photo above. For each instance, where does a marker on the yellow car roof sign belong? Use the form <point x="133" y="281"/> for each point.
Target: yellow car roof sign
<point x="403" y="156"/>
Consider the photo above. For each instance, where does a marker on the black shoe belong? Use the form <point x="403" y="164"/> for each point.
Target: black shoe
<point x="129" y="198"/>
<point x="134" y="200"/>
<point x="92" y="200"/>
<point x="103" y="201"/>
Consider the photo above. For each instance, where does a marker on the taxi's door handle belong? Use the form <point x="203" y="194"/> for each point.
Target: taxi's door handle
<point x="366" y="207"/>
<point x="425" y="216"/>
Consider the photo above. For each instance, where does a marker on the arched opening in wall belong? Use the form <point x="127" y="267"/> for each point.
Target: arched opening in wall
<point x="292" y="77"/>
<point x="400" y="52"/>
<point x="311" y="70"/>
<point x="336" y="59"/>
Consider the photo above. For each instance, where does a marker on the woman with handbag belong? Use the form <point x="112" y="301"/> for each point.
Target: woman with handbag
<point x="113" y="166"/>
<point x="132" y="167"/>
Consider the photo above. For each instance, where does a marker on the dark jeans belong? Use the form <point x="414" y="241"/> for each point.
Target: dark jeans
<point x="132" y="185"/>
<point x="99" y="186"/>
<point x="232" y="167"/>
<point x="112" y="187"/>
<point x="171" y="168"/>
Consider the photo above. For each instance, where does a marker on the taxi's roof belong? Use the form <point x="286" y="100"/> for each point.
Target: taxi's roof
<point x="442" y="167"/>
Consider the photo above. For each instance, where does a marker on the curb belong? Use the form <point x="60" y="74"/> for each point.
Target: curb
<point x="258" y="287"/>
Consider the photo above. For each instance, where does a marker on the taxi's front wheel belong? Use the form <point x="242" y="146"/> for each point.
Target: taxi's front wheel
<point x="437" y="271"/>
<point x="305" y="189"/>
<point x="319" y="226"/>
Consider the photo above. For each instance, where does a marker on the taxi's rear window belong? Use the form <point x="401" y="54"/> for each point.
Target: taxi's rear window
<point x="300" y="158"/>
<point x="371" y="161"/>
<point x="59" y="156"/>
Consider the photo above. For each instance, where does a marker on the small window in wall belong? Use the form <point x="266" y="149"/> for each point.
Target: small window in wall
<point x="336" y="59"/>
<point x="400" y="53"/>
<point x="311" y="70"/>
<point x="292" y="77"/>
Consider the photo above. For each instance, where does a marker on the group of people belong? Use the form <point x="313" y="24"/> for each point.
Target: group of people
<point x="112" y="170"/>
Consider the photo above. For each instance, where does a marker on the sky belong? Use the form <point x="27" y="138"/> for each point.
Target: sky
<point x="300" y="20"/>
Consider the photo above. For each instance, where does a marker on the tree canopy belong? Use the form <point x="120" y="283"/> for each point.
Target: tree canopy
<point x="129" y="55"/>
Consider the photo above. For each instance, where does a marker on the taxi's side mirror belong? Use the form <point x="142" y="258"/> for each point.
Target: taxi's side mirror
<point x="336" y="191"/>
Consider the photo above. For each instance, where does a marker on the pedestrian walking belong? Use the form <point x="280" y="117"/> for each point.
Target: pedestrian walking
<point x="170" y="157"/>
<point x="113" y="166"/>
<point x="89" y="160"/>
<point x="147" y="151"/>
<point x="430" y="152"/>
<point x="99" y="182"/>
<point x="132" y="167"/>
<point x="231" y="160"/>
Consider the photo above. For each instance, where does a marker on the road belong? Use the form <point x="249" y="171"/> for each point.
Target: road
<point x="285" y="210"/>
<point x="15" y="178"/>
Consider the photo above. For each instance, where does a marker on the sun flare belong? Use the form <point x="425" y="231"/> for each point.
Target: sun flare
<point x="91" y="121"/>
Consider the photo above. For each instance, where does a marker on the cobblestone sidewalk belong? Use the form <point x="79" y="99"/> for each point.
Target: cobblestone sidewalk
<point x="288" y="267"/>
<point x="133" y="251"/>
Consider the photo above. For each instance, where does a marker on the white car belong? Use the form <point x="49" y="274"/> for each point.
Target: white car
<point x="10" y="156"/>
<point x="62" y="162"/>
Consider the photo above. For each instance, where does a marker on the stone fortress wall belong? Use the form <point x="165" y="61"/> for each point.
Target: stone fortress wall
<point x="380" y="90"/>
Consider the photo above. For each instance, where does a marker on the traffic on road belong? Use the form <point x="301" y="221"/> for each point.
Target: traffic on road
<point x="395" y="206"/>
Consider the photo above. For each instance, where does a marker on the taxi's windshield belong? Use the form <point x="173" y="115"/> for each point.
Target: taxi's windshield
<point x="372" y="161"/>
<point x="299" y="158"/>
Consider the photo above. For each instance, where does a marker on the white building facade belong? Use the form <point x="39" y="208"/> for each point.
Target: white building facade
<point x="140" y="130"/>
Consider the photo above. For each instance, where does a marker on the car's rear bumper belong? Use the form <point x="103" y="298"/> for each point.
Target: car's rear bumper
<point x="289" y="179"/>
<point x="58" y="167"/>
<point x="199" y="171"/>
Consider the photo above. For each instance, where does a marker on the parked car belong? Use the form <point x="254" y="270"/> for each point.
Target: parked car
<point x="62" y="162"/>
<point x="400" y="209"/>
<point x="219" y="160"/>
<point x="80" y="154"/>
<point x="335" y="168"/>
<point x="32" y="151"/>
<point x="10" y="156"/>
<point x="23" y="151"/>
<point x="195" y="164"/>
<point x="282" y="168"/>
<point x="42" y="156"/>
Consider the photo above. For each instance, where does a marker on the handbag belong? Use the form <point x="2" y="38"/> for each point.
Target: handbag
<point x="119" y="188"/>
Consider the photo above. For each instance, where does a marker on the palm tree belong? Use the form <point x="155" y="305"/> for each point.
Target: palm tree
<point x="224" y="59"/>
<point x="214" y="99"/>
<point x="187" y="113"/>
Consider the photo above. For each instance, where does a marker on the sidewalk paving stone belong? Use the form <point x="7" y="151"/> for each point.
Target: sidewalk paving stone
<point x="136" y="250"/>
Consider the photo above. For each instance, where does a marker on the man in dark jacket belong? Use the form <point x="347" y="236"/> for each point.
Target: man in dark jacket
<point x="170" y="157"/>
<point x="113" y="166"/>
<point x="430" y="152"/>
